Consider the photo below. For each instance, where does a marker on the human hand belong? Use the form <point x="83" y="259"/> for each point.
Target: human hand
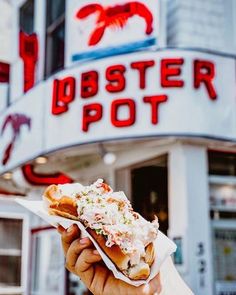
<point x="83" y="260"/>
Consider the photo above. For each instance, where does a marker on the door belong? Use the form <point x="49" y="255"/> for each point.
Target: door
<point x="48" y="273"/>
<point x="150" y="191"/>
<point x="47" y="263"/>
<point x="224" y="256"/>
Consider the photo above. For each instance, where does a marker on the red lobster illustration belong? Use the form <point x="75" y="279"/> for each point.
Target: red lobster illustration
<point x="16" y="121"/>
<point x="114" y="16"/>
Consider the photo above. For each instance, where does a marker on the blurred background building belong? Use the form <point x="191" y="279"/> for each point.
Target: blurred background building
<point x="139" y="93"/>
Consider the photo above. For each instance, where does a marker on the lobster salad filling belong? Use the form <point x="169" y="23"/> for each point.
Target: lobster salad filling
<point x="110" y="214"/>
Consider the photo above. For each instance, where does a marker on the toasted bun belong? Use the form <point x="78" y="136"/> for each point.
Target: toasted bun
<point x="62" y="214"/>
<point x="64" y="206"/>
<point x="114" y="252"/>
<point x="51" y="193"/>
<point x="150" y="254"/>
<point x="121" y="260"/>
<point x="140" y="271"/>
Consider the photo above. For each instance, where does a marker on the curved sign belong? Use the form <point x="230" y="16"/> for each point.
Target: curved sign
<point x="170" y="92"/>
<point x="143" y="94"/>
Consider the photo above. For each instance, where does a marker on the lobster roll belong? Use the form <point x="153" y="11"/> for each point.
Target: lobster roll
<point x="123" y="235"/>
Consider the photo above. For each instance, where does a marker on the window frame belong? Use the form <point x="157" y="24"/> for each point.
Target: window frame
<point x="49" y="30"/>
<point x="24" y="253"/>
<point x="40" y="232"/>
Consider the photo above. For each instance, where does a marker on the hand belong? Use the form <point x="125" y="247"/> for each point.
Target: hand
<point x="83" y="260"/>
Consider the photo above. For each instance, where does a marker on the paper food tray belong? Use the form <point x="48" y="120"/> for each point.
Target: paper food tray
<point x="164" y="247"/>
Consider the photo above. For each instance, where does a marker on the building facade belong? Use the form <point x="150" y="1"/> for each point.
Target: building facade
<point x="139" y="93"/>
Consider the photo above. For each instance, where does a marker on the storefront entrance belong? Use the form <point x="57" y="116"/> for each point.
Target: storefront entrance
<point x="150" y="191"/>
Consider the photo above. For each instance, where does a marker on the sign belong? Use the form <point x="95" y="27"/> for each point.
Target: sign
<point x="16" y="121"/>
<point x="36" y="178"/>
<point x="21" y="130"/>
<point x="143" y="94"/>
<point x="178" y="254"/>
<point x="148" y="94"/>
<point x="98" y="28"/>
<point x="29" y="55"/>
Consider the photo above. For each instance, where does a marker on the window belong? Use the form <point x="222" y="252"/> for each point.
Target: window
<point x="55" y="35"/>
<point x="222" y="184"/>
<point x="221" y="163"/>
<point x="10" y="252"/>
<point x="27" y="17"/>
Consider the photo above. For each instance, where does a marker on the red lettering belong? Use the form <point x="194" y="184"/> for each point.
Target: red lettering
<point x="142" y="67"/>
<point x="170" y="68"/>
<point x="89" y="84"/>
<point x="63" y="94"/>
<point x="204" y="72"/>
<point x="29" y="53"/>
<point x="155" y="101"/>
<point x="116" y="104"/>
<point x="91" y="113"/>
<point x="4" y="72"/>
<point x="115" y="75"/>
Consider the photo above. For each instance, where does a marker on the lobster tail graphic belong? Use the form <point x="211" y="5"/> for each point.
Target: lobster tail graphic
<point x="114" y="16"/>
<point x="16" y="121"/>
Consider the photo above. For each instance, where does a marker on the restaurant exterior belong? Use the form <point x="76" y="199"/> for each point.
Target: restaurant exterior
<point x="116" y="90"/>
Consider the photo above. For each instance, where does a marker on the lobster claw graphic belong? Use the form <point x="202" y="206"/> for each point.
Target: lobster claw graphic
<point x="16" y="121"/>
<point x="114" y="17"/>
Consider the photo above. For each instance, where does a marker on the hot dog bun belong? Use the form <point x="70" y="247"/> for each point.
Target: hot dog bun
<point x="133" y="262"/>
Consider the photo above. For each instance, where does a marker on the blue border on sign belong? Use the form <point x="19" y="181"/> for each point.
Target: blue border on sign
<point x="110" y="51"/>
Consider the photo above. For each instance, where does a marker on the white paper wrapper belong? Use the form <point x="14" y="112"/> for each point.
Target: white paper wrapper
<point x="163" y="245"/>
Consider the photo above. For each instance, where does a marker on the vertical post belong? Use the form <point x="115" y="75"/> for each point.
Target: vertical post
<point x="16" y="76"/>
<point x="189" y="214"/>
<point x="39" y="29"/>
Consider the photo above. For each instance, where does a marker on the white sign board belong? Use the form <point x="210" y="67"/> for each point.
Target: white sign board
<point x="149" y="94"/>
<point x="21" y="130"/>
<point x="143" y="94"/>
<point x="98" y="28"/>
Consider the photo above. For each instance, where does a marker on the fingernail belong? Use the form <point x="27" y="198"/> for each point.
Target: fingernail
<point x="95" y="252"/>
<point x="84" y="241"/>
<point x="60" y="228"/>
<point x="70" y="229"/>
